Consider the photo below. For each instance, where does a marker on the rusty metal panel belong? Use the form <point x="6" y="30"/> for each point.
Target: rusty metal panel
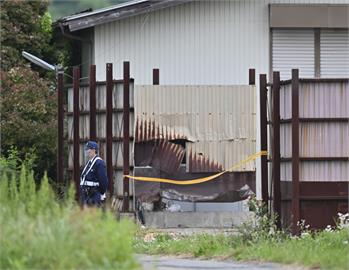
<point x="320" y="202"/>
<point x="167" y="157"/>
<point x="216" y="121"/>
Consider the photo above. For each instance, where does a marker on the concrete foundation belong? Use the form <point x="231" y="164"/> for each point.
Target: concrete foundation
<point x="196" y="219"/>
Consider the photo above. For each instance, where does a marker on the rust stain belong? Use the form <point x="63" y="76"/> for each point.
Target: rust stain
<point x="200" y="163"/>
<point x="147" y="130"/>
<point x="167" y="156"/>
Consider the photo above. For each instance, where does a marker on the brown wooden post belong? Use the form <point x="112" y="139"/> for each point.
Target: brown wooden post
<point x="156" y="76"/>
<point x="264" y="141"/>
<point x="60" y="142"/>
<point x="126" y="141"/>
<point x="276" y="147"/>
<point x="93" y="135"/>
<point x="251" y="76"/>
<point x="76" y="143"/>
<point x="295" y="152"/>
<point x="109" y="124"/>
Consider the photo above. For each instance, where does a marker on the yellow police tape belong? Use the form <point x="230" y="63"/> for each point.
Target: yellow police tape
<point x="199" y="180"/>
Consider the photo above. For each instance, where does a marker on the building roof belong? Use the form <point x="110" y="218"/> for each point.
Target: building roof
<point x="121" y="11"/>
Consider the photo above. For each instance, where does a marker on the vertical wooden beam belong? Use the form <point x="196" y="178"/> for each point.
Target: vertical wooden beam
<point x="156" y="76"/>
<point x="276" y="147"/>
<point x="126" y="141"/>
<point x="295" y="152"/>
<point x="93" y="135"/>
<point x="60" y="135"/>
<point x="76" y="135"/>
<point x="263" y="134"/>
<point x="251" y="76"/>
<point x="109" y="126"/>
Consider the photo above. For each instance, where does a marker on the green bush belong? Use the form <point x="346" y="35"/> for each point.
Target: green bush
<point x="38" y="232"/>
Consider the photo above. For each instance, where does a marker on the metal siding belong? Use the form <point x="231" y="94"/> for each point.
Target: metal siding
<point x="324" y="100"/>
<point x="317" y="140"/>
<point x="327" y="171"/>
<point x="334" y="53"/>
<point x="176" y="40"/>
<point x="241" y="35"/>
<point x="293" y="49"/>
<point x="322" y="139"/>
<point x="84" y="133"/>
<point x="217" y="121"/>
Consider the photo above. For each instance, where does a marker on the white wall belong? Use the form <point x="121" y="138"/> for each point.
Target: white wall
<point x="207" y="42"/>
<point x="202" y="42"/>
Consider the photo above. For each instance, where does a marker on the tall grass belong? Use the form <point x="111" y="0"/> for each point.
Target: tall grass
<point x="38" y="232"/>
<point x="259" y="240"/>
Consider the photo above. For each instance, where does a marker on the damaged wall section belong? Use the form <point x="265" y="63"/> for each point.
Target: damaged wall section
<point x="185" y="132"/>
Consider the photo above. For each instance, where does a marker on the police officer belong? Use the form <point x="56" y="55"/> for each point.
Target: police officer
<point x="93" y="180"/>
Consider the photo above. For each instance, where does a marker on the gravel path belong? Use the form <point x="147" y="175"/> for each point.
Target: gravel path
<point x="173" y="263"/>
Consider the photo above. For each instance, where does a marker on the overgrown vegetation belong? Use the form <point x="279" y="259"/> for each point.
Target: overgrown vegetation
<point x="39" y="232"/>
<point x="258" y="240"/>
<point x="28" y="98"/>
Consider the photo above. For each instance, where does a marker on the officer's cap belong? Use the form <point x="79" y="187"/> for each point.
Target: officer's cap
<point x="91" y="145"/>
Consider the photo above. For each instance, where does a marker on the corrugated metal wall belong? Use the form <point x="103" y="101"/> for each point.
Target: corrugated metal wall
<point x="202" y="42"/>
<point x="177" y="40"/>
<point x="84" y="104"/>
<point x="334" y="53"/>
<point x="218" y="122"/>
<point x="317" y="139"/>
<point x="293" y="49"/>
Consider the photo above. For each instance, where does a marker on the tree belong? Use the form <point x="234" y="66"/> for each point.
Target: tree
<point x="28" y="100"/>
<point x="28" y="117"/>
<point x="25" y="25"/>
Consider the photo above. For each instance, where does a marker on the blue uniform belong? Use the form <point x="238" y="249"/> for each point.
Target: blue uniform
<point x="93" y="182"/>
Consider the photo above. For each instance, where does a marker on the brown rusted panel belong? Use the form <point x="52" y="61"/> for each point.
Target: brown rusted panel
<point x="276" y="145"/>
<point x="167" y="156"/>
<point x="286" y="190"/>
<point x="76" y="155"/>
<point x="126" y="144"/>
<point x="200" y="163"/>
<point x="92" y="112"/>
<point x="264" y="135"/>
<point x="156" y="76"/>
<point x="60" y="146"/>
<point x="319" y="202"/>
<point x="109" y="119"/>
<point x="320" y="213"/>
<point x="295" y="151"/>
<point x="251" y="76"/>
<point x="147" y="130"/>
<point x="286" y="217"/>
<point x="324" y="189"/>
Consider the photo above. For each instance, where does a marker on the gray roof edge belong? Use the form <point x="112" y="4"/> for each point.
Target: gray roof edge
<point x="102" y="10"/>
<point x="116" y="12"/>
